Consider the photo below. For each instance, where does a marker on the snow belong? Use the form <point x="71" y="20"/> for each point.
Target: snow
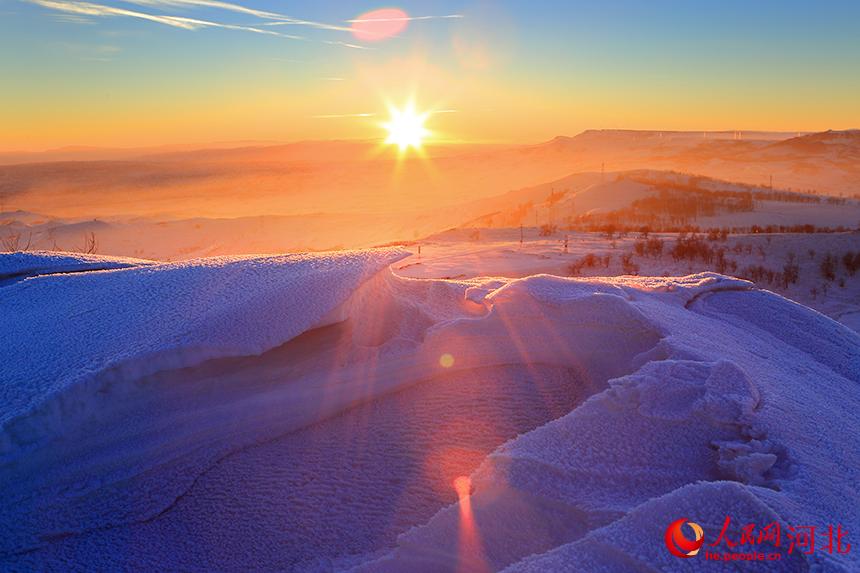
<point x="788" y="214"/>
<point x="23" y="264"/>
<point x="610" y="196"/>
<point x="311" y="413"/>
<point x="135" y="321"/>
<point x="726" y="396"/>
<point x="498" y="253"/>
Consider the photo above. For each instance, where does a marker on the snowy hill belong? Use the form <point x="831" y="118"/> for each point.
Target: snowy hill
<point x="819" y="142"/>
<point x="664" y="198"/>
<point x="321" y="413"/>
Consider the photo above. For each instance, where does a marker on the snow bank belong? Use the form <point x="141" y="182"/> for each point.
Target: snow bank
<point x="103" y="420"/>
<point x="67" y="331"/>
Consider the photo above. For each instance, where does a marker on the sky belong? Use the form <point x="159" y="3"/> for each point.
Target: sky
<point x="127" y="73"/>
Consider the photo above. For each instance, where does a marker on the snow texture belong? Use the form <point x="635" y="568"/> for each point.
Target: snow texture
<point x="65" y="331"/>
<point x="310" y="413"/>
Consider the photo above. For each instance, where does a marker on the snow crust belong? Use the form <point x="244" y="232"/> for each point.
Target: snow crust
<point x="219" y="447"/>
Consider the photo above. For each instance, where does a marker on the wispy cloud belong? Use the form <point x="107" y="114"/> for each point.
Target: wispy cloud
<point x="81" y="12"/>
<point x="346" y="45"/>
<point x="408" y="18"/>
<point x="73" y="19"/>
<point x="281" y="19"/>
<point x="89" y="52"/>
<point x="91" y="9"/>
<point x="348" y="115"/>
<point x="342" y="115"/>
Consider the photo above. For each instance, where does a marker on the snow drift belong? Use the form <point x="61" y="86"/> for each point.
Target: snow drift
<point x="311" y="413"/>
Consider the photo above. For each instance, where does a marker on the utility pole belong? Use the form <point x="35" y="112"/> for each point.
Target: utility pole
<point x="602" y="170"/>
<point x="521" y="234"/>
<point x="771" y="180"/>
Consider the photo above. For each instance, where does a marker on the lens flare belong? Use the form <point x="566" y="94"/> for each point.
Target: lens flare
<point x="463" y="487"/>
<point x="379" y="24"/>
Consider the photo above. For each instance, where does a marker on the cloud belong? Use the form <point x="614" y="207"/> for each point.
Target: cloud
<point x="342" y="115"/>
<point x="280" y="19"/>
<point x="89" y="52"/>
<point x="347" y="115"/>
<point x="407" y="18"/>
<point x="91" y="9"/>
<point x="346" y="45"/>
<point x="73" y="19"/>
<point x="80" y="12"/>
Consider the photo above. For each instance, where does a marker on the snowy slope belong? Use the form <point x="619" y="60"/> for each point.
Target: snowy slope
<point x="588" y="413"/>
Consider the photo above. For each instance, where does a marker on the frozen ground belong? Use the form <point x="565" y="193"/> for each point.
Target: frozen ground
<point x="323" y="413"/>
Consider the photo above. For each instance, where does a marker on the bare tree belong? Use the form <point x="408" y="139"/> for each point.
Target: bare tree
<point x="90" y="243"/>
<point x="12" y="242"/>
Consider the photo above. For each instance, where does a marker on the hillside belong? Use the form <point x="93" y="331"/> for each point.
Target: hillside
<point x="667" y="200"/>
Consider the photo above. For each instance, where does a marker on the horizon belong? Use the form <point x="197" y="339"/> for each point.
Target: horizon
<point x="239" y="144"/>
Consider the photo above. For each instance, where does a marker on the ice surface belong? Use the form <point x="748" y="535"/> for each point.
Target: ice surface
<point x="311" y="413"/>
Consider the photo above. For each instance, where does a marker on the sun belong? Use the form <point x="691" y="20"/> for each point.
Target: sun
<point x="406" y="127"/>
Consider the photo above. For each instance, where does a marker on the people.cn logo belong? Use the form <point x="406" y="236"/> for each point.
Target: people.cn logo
<point x="679" y="544"/>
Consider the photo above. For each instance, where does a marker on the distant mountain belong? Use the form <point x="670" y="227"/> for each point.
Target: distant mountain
<point x="91" y="153"/>
<point x="363" y="177"/>
<point x="825" y="142"/>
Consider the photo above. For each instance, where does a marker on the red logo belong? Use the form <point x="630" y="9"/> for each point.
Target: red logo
<point x="679" y="544"/>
